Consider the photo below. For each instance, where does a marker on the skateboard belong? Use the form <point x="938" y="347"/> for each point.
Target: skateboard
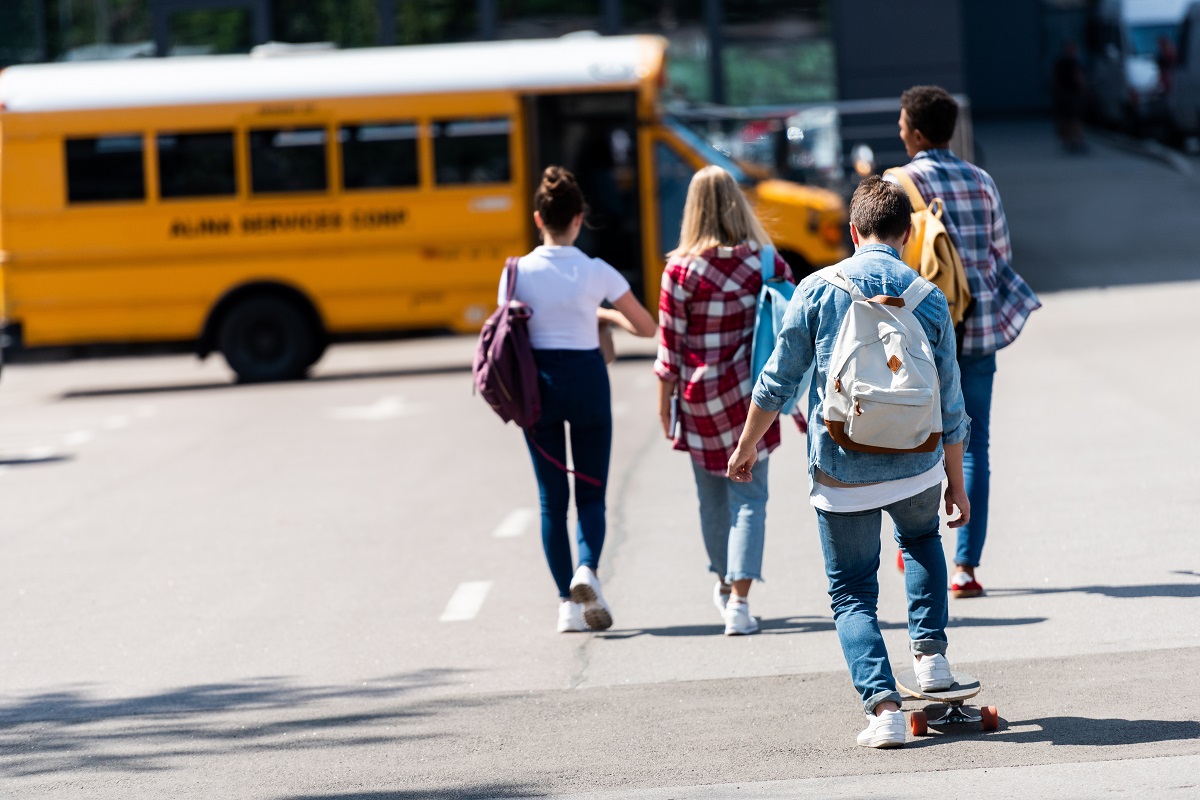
<point x="964" y="688"/>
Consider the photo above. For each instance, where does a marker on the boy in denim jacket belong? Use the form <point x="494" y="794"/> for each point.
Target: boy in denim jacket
<point x="849" y="488"/>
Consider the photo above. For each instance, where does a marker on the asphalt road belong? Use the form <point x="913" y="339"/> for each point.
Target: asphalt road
<point x="335" y="588"/>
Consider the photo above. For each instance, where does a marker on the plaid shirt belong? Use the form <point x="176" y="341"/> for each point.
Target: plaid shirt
<point x="975" y="221"/>
<point x="706" y="325"/>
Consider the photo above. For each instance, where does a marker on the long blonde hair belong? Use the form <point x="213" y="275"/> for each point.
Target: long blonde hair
<point x="716" y="214"/>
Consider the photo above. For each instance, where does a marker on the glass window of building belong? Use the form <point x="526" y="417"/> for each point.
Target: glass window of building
<point x="287" y="160"/>
<point x="540" y="19"/>
<point x="379" y="155"/>
<point x="196" y="165"/>
<point x="105" y="168"/>
<point x="346" y="23"/>
<point x="211" y="32"/>
<point x="471" y="151"/>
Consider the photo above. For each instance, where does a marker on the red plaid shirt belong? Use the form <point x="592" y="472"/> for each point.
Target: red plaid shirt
<point x="706" y="326"/>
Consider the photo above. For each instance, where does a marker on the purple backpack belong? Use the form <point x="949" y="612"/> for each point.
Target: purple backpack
<point x="504" y="370"/>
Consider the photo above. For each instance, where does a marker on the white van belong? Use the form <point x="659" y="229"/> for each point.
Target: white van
<point x="1125" y="37"/>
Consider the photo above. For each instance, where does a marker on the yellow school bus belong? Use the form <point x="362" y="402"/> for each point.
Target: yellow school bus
<point x="262" y="206"/>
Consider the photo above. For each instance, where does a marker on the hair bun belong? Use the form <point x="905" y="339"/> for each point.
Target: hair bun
<point x="557" y="181"/>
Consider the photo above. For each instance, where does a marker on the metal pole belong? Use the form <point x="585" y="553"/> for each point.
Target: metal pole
<point x="487" y="19"/>
<point x="386" y="14"/>
<point x="714" y="15"/>
<point x="612" y="17"/>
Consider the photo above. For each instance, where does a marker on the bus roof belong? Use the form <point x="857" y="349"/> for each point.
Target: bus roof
<point x="574" y="61"/>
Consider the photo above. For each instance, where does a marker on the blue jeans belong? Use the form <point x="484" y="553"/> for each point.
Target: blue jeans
<point x="850" y="544"/>
<point x="574" y="390"/>
<point x="733" y="520"/>
<point x="977" y="373"/>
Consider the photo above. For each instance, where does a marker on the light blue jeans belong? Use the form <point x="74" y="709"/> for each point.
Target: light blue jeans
<point x="733" y="519"/>
<point x="850" y="544"/>
<point x="978" y="375"/>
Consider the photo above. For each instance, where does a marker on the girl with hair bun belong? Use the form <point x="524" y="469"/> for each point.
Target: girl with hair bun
<point x="565" y="288"/>
<point x="706" y="309"/>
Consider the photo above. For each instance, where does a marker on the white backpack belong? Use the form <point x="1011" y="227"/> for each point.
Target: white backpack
<point x="882" y="394"/>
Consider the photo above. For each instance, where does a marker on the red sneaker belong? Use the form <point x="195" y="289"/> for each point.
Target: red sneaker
<point x="964" y="585"/>
<point x="900" y="560"/>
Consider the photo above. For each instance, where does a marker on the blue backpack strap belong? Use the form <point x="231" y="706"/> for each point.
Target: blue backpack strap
<point x="766" y="257"/>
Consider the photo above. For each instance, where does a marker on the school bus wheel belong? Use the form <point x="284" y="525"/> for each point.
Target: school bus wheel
<point x="268" y="338"/>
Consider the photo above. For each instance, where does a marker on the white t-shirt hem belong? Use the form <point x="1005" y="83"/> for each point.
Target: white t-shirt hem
<point x="849" y="499"/>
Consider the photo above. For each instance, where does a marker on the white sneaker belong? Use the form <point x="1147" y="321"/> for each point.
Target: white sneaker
<point x="933" y="672"/>
<point x="885" y="730"/>
<point x="585" y="590"/>
<point x="720" y="599"/>
<point x="570" y="617"/>
<point x="738" y="621"/>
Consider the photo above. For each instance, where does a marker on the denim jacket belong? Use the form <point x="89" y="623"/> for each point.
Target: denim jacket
<point x="811" y="327"/>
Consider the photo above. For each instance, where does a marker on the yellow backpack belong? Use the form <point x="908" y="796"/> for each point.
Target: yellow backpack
<point x="930" y="250"/>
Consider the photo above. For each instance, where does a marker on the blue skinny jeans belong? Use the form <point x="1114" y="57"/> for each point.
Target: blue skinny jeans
<point x="978" y="374"/>
<point x="850" y="544"/>
<point x="575" y="393"/>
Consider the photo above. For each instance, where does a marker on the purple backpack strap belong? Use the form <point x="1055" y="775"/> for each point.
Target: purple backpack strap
<point x="510" y="271"/>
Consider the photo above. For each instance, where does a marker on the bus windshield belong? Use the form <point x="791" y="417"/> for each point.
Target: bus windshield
<point x="706" y="151"/>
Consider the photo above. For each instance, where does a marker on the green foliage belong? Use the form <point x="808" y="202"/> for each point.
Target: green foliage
<point x="433" y="21"/>
<point x="347" y="23"/>
<point x="224" y="31"/>
<point x="768" y="74"/>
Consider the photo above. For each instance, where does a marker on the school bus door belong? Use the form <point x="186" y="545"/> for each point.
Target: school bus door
<point x="596" y="137"/>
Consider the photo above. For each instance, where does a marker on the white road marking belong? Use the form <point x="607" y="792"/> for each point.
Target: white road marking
<point x="387" y="408"/>
<point x="515" y="523"/>
<point x="466" y="601"/>
<point x="77" y="438"/>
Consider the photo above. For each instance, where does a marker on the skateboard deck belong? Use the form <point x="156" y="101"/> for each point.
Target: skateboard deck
<point x="964" y="688"/>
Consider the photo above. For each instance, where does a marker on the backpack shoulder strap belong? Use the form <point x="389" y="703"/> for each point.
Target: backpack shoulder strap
<point x="766" y="257"/>
<point x="837" y="277"/>
<point x="510" y="272"/>
<point x="910" y="187"/>
<point x="917" y="291"/>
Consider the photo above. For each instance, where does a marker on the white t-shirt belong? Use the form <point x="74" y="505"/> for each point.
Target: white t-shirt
<point x="848" y="499"/>
<point x="564" y="287"/>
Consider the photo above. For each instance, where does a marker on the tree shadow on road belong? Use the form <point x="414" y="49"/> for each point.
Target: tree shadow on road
<point x="782" y="625"/>
<point x="1089" y="732"/>
<point x="1184" y="590"/>
<point x="365" y="375"/>
<point x="71" y="729"/>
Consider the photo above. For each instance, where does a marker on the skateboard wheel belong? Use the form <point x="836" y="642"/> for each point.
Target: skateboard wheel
<point x="989" y="718"/>
<point x="918" y="723"/>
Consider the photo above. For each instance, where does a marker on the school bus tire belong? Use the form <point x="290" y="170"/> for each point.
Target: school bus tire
<point x="268" y="337"/>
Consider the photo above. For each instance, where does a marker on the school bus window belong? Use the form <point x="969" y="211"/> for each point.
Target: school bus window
<point x="105" y="168"/>
<point x="471" y="151"/>
<point x="287" y="160"/>
<point x="379" y="155"/>
<point x="196" y="165"/>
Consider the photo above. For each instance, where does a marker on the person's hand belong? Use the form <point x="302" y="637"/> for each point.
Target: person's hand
<point x="956" y="498"/>
<point x="741" y="463"/>
<point x="664" y="414"/>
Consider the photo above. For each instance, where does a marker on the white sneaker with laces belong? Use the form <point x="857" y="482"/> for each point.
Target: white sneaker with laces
<point x="585" y="590"/>
<point x="570" y="617"/>
<point x="933" y="672"/>
<point x="720" y="599"/>
<point x="738" y="621"/>
<point x="885" y="730"/>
